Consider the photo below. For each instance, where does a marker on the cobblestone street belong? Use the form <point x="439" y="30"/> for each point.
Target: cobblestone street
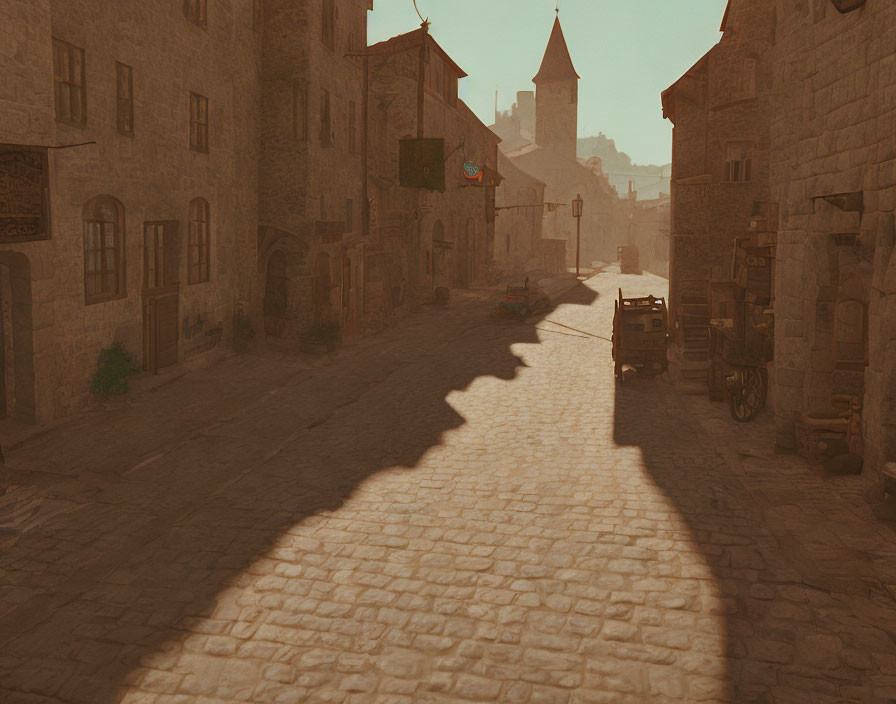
<point x="458" y="510"/>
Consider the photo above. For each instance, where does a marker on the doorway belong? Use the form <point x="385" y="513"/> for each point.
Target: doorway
<point x="161" y="289"/>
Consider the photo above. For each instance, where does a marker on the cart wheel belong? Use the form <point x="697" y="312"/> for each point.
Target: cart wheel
<point x="745" y="394"/>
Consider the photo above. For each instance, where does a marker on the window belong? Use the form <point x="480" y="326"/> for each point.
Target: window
<point x="198" y="242"/>
<point x="104" y="278"/>
<point x="124" y="82"/>
<point x="349" y="215"/>
<point x="739" y="164"/>
<point x="194" y="10"/>
<point x="198" y="123"/>
<point x="326" y="136"/>
<point x="258" y="15"/>
<point x="299" y="111"/>
<point x="328" y="23"/>
<point x="352" y="129"/>
<point x="69" y="83"/>
<point x="750" y="78"/>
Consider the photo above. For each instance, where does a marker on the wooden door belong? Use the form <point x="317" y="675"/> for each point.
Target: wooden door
<point x="161" y="266"/>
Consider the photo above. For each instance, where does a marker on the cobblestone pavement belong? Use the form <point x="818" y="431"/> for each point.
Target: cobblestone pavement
<point x="459" y="510"/>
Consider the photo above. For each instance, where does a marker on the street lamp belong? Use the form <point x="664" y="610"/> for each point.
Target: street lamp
<point x="577" y="214"/>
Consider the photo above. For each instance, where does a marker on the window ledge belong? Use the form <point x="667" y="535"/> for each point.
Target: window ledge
<point x="89" y="301"/>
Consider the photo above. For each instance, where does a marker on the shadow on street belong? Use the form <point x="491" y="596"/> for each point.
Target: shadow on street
<point x="89" y="593"/>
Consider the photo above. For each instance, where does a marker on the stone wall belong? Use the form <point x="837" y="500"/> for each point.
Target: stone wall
<point x="310" y="198"/>
<point x="518" y="229"/>
<point x="720" y="109"/>
<point x="153" y="174"/>
<point x="423" y="239"/>
<point x="834" y="132"/>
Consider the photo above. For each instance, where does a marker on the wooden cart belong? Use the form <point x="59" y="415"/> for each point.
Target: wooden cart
<point x="741" y="332"/>
<point x="640" y="335"/>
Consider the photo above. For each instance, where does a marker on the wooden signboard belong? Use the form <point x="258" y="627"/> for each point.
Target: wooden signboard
<point x="24" y="206"/>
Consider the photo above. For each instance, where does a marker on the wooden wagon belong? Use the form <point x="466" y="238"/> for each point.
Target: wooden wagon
<point x="640" y="335"/>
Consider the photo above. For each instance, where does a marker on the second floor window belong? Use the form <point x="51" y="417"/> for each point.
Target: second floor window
<point x="124" y="89"/>
<point x="69" y="83"/>
<point x="195" y="11"/>
<point x="739" y="163"/>
<point x="198" y="123"/>
<point x="328" y="23"/>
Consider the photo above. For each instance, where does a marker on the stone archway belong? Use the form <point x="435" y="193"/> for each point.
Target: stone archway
<point x="17" y="378"/>
<point x="284" y="284"/>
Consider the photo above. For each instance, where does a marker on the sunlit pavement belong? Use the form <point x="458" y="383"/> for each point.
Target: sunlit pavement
<point x="463" y="510"/>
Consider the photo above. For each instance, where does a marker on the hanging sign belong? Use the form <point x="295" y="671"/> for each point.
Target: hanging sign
<point x="472" y="172"/>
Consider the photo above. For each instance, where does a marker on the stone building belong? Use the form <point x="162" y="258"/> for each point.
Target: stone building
<point x="520" y="212"/>
<point x="648" y="229"/>
<point x="422" y="239"/>
<point x="825" y="184"/>
<point x="551" y="157"/>
<point x="833" y="170"/>
<point x="311" y="225"/>
<point x="720" y="109"/>
<point x="217" y="173"/>
<point x="136" y="236"/>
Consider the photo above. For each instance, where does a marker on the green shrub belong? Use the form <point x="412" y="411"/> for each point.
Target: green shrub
<point x="113" y="368"/>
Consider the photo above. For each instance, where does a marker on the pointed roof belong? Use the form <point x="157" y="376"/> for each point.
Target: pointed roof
<point x="556" y="64"/>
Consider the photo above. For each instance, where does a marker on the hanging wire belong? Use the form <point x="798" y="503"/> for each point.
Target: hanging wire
<point x="418" y="13"/>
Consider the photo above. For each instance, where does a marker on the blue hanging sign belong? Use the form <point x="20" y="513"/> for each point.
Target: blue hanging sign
<point x="472" y="172"/>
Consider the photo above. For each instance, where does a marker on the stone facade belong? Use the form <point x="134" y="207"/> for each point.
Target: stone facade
<point x="131" y="100"/>
<point x="520" y="212"/>
<point x="833" y="133"/>
<point x="825" y="75"/>
<point x="424" y="239"/>
<point x="720" y="159"/>
<point x="311" y="219"/>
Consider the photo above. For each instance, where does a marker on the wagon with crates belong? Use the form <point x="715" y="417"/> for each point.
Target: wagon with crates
<point x="640" y="335"/>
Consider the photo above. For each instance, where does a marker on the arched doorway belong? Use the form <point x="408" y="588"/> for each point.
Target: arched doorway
<point x="276" y="294"/>
<point x="17" y="378"/>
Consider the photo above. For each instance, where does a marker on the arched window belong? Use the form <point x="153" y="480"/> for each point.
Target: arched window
<point x="104" y="271"/>
<point x="199" y="241"/>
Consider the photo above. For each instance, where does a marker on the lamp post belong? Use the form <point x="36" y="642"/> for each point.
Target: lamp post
<point x="577" y="214"/>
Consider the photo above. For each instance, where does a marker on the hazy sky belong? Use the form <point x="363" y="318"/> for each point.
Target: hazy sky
<point x="626" y="51"/>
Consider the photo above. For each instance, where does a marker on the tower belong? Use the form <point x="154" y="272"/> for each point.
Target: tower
<point x="557" y="97"/>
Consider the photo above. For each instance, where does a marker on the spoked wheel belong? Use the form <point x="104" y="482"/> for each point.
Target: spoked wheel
<point x="746" y="393"/>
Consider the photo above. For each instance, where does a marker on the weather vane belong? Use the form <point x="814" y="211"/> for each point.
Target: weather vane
<point x="557" y="8"/>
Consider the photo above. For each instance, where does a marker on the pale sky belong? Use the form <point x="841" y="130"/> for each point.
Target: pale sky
<point x="626" y="51"/>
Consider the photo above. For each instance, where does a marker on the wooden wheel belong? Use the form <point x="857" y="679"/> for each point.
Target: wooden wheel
<point x="745" y="393"/>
